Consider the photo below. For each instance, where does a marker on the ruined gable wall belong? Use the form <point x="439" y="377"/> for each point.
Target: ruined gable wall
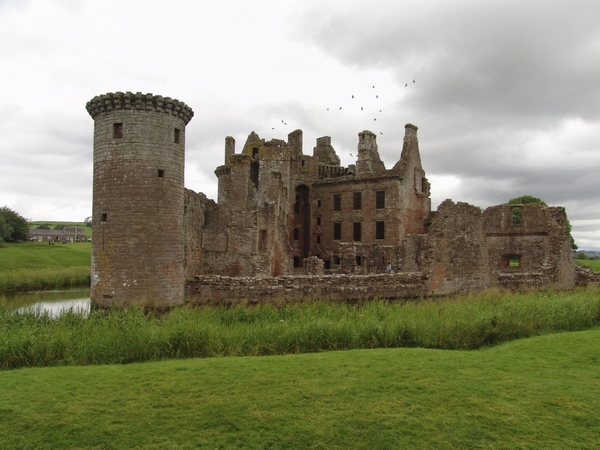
<point x="454" y="254"/>
<point x="539" y="241"/>
<point x="195" y="209"/>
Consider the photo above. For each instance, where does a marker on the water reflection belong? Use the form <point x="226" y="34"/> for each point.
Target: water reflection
<point x="54" y="303"/>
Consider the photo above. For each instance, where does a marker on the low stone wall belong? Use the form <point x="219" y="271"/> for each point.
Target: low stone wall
<point x="218" y="289"/>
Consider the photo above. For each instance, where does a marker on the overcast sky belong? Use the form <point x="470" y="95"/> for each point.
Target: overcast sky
<point x="506" y="94"/>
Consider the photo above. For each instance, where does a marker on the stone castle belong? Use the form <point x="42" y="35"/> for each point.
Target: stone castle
<point x="290" y="225"/>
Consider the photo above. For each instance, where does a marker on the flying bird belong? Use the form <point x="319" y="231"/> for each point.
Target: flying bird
<point x="413" y="81"/>
<point x="361" y="108"/>
<point x="340" y="107"/>
<point x="377" y="96"/>
<point x="406" y="85"/>
<point x="374" y="119"/>
<point x="353" y="96"/>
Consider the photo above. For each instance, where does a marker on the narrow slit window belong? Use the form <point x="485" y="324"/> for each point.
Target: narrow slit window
<point x="104" y="217"/>
<point x="118" y="130"/>
<point x="161" y="173"/>
<point x="359" y="260"/>
<point x="318" y="239"/>
<point x="176" y="135"/>
<point x="296" y="233"/>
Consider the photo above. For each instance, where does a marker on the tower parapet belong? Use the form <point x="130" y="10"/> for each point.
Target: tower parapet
<point x="138" y="101"/>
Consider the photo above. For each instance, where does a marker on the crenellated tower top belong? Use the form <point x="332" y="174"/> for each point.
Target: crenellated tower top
<point x="138" y="101"/>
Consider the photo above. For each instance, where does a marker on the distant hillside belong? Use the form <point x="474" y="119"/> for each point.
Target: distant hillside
<point x="53" y="225"/>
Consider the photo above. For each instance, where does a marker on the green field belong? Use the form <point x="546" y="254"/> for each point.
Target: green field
<point x="88" y="230"/>
<point x="594" y="264"/>
<point x="35" y="265"/>
<point x="539" y="393"/>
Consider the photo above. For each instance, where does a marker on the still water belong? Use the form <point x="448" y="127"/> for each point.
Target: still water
<point x="52" y="302"/>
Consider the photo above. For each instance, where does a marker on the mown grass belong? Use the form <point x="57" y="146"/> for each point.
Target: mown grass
<point x="539" y="393"/>
<point x="131" y="335"/>
<point x="28" y="266"/>
<point x="593" y="264"/>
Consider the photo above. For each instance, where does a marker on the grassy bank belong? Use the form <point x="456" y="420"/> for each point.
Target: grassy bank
<point x="593" y="264"/>
<point x="539" y="393"/>
<point x="27" y="266"/>
<point x="130" y="335"/>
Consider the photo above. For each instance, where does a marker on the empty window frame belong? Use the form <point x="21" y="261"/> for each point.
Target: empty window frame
<point x="337" y="231"/>
<point x="176" y="135"/>
<point x="318" y="239"/>
<point x="318" y="221"/>
<point x="104" y="217"/>
<point x="118" y="130"/>
<point x="356" y="200"/>
<point x="380" y="230"/>
<point x="380" y="199"/>
<point x="357" y="231"/>
<point x="319" y="203"/>
<point x="161" y="173"/>
<point x="511" y="260"/>
<point x="296" y="233"/>
<point x="337" y="202"/>
<point x="359" y="261"/>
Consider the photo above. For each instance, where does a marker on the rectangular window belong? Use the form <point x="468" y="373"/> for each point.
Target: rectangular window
<point x="318" y="221"/>
<point x="380" y="199"/>
<point x="262" y="240"/>
<point x="319" y="203"/>
<point x="295" y="234"/>
<point x="104" y="217"/>
<point x="161" y="173"/>
<point x="327" y="264"/>
<point x="176" y="135"/>
<point x="117" y="130"/>
<point x="357" y="231"/>
<point x="359" y="261"/>
<point x="357" y="197"/>
<point x="337" y="231"/>
<point x="318" y="239"/>
<point x="337" y="202"/>
<point x="379" y="230"/>
<point x="336" y="260"/>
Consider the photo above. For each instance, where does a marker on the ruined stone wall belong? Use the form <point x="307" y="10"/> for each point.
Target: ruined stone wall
<point x="138" y="199"/>
<point x="454" y="253"/>
<point x="196" y="207"/>
<point x="226" y="290"/>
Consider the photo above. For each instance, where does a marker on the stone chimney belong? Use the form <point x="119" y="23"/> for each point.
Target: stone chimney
<point x="368" y="162"/>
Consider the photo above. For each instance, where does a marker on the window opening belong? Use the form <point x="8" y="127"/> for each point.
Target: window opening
<point x="337" y="202"/>
<point x="318" y="239"/>
<point x="326" y="264"/>
<point x="319" y="203"/>
<point x="380" y="199"/>
<point x="337" y="231"/>
<point x="176" y="135"/>
<point x="359" y="261"/>
<point x="118" y="130"/>
<point x="254" y="151"/>
<point x="296" y="261"/>
<point x="161" y="173"/>
<point x="379" y="230"/>
<point x="357" y="231"/>
<point x="295" y="234"/>
<point x="336" y="260"/>
<point x="357" y="197"/>
<point x="104" y="217"/>
<point x="318" y="221"/>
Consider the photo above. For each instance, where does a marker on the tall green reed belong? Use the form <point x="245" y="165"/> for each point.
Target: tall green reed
<point x="132" y="335"/>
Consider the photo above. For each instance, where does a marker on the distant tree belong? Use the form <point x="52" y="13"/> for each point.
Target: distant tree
<point x="526" y="199"/>
<point x="44" y="226"/>
<point x="581" y="255"/>
<point x="13" y="226"/>
<point x="88" y="221"/>
<point x="59" y="226"/>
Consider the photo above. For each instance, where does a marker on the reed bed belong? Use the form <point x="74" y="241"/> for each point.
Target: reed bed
<point x="468" y="322"/>
<point x="20" y="280"/>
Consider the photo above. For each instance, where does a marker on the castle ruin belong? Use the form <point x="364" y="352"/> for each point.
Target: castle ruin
<point x="291" y="225"/>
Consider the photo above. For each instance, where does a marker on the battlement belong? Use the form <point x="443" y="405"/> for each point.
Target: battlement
<point x="143" y="102"/>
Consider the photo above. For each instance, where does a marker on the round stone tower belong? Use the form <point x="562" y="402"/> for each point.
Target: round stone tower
<point x="137" y="215"/>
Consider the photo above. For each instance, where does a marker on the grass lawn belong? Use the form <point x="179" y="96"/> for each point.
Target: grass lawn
<point x="594" y="264"/>
<point x="538" y="393"/>
<point x="37" y="265"/>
